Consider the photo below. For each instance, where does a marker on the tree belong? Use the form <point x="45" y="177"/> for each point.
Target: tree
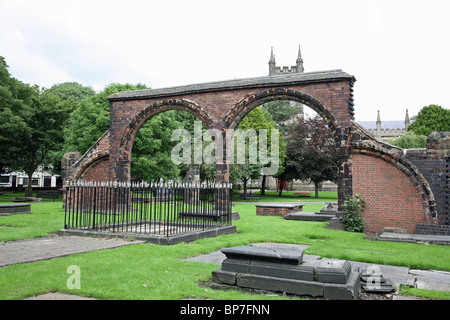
<point x="311" y="151"/>
<point x="91" y="119"/>
<point x="255" y="120"/>
<point x="71" y="90"/>
<point x="281" y="111"/>
<point x="410" y="141"/>
<point x="430" y="118"/>
<point x="32" y="124"/>
<point x="15" y="98"/>
<point x="151" y="155"/>
<point x="43" y="132"/>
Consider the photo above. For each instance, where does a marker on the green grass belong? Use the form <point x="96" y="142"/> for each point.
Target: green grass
<point x="45" y="218"/>
<point x="146" y="271"/>
<point x="430" y="294"/>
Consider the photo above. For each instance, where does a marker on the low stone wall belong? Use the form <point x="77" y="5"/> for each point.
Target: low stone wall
<point x="277" y="209"/>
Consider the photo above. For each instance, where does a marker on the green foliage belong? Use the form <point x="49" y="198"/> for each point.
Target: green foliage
<point x="71" y="90"/>
<point x="410" y="141"/>
<point x="151" y="156"/>
<point x="311" y="152"/>
<point x="91" y="119"/>
<point x="430" y="118"/>
<point x="32" y="123"/>
<point x="353" y="219"/>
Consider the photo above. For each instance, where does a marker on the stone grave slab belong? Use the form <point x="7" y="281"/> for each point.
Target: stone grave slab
<point x="285" y="271"/>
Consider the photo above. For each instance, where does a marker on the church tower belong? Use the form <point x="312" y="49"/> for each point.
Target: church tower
<point x="274" y="70"/>
<point x="298" y="68"/>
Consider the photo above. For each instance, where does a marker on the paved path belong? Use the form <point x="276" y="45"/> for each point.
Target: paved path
<point x="31" y="250"/>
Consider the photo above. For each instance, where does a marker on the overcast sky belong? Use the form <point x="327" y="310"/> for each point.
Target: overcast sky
<point x="398" y="51"/>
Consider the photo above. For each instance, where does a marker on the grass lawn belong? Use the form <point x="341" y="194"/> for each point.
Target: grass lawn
<point x="146" y="271"/>
<point x="289" y="196"/>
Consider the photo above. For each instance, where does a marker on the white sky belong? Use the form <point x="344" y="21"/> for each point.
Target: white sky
<point x="397" y="50"/>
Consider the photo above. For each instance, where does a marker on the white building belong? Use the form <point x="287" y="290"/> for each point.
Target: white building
<point x="42" y="178"/>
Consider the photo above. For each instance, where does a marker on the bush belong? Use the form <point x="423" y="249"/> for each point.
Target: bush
<point x="353" y="219"/>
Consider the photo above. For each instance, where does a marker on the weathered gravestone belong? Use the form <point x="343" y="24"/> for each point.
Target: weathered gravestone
<point x="283" y="270"/>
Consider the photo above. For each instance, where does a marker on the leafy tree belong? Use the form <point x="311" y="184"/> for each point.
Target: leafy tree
<point x="49" y="114"/>
<point x="280" y="111"/>
<point x="15" y="111"/>
<point x="311" y="151"/>
<point x="91" y="119"/>
<point x="32" y="124"/>
<point x="151" y="156"/>
<point x="255" y="120"/>
<point x="71" y="90"/>
<point x="430" y="118"/>
<point x="410" y="141"/>
<point x="288" y="173"/>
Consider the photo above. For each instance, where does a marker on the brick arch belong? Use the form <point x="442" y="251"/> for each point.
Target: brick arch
<point x="248" y="103"/>
<point x="93" y="164"/>
<point x="245" y="105"/>
<point x="135" y="124"/>
<point x="381" y="169"/>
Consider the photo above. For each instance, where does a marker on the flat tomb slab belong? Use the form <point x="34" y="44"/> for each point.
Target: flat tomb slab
<point x="14" y="208"/>
<point x="264" y="254"/>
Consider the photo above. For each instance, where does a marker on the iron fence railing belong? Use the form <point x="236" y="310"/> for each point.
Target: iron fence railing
<point x="146" y="208"/>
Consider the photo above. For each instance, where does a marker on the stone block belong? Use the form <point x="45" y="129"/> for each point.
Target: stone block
<point x="333" y="271"/>
<point x="304" y="271"/>
<point x="236" y="265"/>
<point x="225" y="277"/>
<point x="298" y="287"/>
<point x="348" y="291"/>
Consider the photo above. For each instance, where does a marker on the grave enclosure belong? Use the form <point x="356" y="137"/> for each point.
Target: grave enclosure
<point x="399" y="190"/>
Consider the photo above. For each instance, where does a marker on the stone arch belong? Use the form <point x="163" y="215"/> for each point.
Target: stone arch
<point x="248" y="103"/>
<point x="135" y="124"/>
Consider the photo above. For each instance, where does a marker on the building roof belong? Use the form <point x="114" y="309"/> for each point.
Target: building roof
<point x="396" y="124"/>
<point x="267" y="81"/>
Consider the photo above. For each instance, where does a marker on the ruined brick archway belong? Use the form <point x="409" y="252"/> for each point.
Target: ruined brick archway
<point x="222" y="105"/>
<point x="241" y="109"/>
<point x="136" y="123"/>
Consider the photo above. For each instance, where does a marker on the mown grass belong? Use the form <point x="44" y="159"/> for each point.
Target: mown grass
<point x="146" y="271"/>
<point x="289" y="196"/>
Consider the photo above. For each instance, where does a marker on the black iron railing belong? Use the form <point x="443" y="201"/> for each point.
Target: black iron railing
<point x="146" y="208"/>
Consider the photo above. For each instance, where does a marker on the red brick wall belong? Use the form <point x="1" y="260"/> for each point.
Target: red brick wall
<point x="392" y="199"/>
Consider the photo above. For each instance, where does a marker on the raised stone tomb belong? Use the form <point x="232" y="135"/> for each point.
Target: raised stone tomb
<point x="14" y="208"/>
<point x="277" y="209"/>
<point x="283" y="270"/>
